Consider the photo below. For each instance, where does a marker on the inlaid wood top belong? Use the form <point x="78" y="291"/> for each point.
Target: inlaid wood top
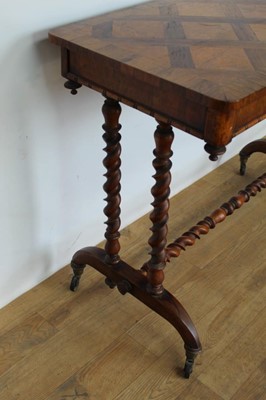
<point x="200" y="64"/>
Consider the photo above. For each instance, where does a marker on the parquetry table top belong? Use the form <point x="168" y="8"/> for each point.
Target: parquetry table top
<point x="189" y="57"/>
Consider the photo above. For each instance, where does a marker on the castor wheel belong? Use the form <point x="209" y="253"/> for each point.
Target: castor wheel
<point x="191" y="354"/>
<point x="243" y="164"/>
<point x="242" y="169"/>
<point x="78" y="271"/>
<point x="188" y="368"/>
<point x="74" y="283"/>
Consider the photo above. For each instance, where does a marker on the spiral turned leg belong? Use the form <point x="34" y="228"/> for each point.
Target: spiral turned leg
<point x="219" y="215"/>
<point x="111" y="111"/>
<point x="159" y="216"/>
<point x="258" y="146"/>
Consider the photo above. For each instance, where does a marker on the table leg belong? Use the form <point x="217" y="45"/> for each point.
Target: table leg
<point x="257" y="146"/>
<point x="112" y="162"/>
<point x="176" y="315"/>
<point x="164" y="137"/>
<point x="111" y="111"/>
<point x="145" y="286"/>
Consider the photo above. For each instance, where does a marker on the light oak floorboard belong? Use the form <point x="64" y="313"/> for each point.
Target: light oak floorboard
<point x="97" y="344"/>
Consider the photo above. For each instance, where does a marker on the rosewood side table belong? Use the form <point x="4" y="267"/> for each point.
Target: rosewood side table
<point x="198" y="66"/>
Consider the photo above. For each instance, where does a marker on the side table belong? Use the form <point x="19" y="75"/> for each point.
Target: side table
<point x="199" y="66"/>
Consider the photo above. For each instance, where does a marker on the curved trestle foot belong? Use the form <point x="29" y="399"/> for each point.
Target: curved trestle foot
<point x="257" y="146"/>
<point x="130" y="280"/>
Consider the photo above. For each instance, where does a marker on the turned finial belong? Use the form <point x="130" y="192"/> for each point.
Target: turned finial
<point x="73" y="86"/>
<point x="214" y="151"/>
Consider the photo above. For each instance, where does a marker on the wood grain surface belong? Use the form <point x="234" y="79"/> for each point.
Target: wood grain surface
<point x="97" y="344"/>
<point x="199" y="65"/>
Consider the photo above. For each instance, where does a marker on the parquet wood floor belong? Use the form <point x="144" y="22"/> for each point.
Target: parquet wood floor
<point x="96" y="344"/>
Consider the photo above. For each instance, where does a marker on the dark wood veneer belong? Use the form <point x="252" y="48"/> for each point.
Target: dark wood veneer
<point x="206" y="63"/>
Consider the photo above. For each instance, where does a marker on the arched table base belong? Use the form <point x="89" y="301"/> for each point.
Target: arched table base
<point x="258" y="146"/>
<point x="130" y="280"/>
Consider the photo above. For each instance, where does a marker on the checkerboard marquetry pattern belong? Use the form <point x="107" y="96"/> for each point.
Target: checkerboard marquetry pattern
<point x="212" y="47"/>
